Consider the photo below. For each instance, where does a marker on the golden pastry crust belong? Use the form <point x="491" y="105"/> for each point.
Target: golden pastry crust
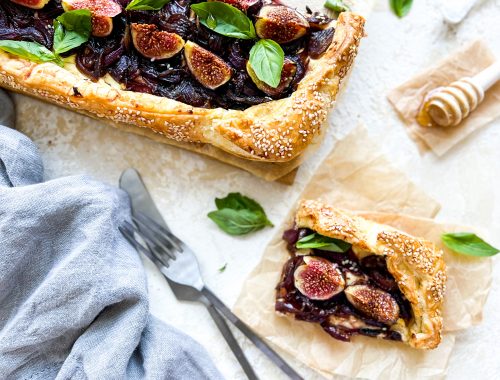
<point x="416" y="264"/>
<point x="275" y="131"/>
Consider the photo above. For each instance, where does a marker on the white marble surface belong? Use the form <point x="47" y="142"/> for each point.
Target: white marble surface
<point x="466" y="181"/>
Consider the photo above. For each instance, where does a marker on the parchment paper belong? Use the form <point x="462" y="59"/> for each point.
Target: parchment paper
<point x="408" y="97"/>
<point x="367" y="182"/>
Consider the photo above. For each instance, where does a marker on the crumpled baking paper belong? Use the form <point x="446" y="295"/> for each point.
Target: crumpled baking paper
<point x="366" y="181"/>
<point x="408" y="97"/>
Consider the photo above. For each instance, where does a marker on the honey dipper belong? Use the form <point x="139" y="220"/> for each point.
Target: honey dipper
<point x="448" y="106"/>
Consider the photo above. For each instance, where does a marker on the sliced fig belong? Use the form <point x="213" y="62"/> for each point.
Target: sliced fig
<point x="33" y="4"/>
<point x="242" y="5"/>
<point x="287" y="74"/>
<point x="374" y="303"/>
<point x="280" y="23"/>
<point x="102" y="12"/>
<point x="318" y="278"/>
<point x="207" y="68"/>
<point x="153" y="43"/>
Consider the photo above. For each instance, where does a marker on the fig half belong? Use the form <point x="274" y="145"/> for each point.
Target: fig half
<point x="287" y="74"/>
<point x="207" y="68"/>
<point x="280" y="23"/>
<point x="102" y="12"/>
<point x="318" y="278"/>
<point x="33" y="4"/>
<point x="373" y="302"/>
<point x="153" y="43"/>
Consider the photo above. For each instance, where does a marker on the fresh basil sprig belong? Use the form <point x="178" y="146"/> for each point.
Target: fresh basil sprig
<point x="468" y="243"/>
<point x="324" y="243"/>
<point x="337" y="6"/>
<point x="225" y="19"/>
<point x="146" y="5"/>
<point x="239" y="215"/>
<point x="32" y="51"/>
<point x="401" y="7"/>
<point x="266" y="59"/>
<point x="71" y="29"/>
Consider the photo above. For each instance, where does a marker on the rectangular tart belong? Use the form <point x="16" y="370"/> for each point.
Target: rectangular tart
<point x="276" y="130"/>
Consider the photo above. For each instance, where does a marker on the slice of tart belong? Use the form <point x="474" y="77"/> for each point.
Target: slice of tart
<point x="353" y="276"/>
<point x="183" y="76"/>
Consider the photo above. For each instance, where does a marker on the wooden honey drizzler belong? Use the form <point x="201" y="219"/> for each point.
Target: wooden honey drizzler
<point x="448" y="106"/>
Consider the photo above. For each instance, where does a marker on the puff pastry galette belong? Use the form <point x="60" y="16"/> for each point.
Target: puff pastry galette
<point x="354" y="276"/>
<point x="166" y="71"/>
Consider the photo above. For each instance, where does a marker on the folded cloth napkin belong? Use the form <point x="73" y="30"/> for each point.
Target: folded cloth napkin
<point x="73" y="296"/>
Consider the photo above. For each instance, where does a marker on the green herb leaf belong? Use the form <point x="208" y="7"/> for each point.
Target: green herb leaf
<point x="146" y="5"/>
<point x="239" y="222"/>
<point x="337" y="6"/>
<point x="239" y="215"/>
<point x="468" y="243"/>
<point x="225" y="19"/>
<point x="71" y="29"/>
<point x="32" y="51"/>
<point x="324" y="243"/>
<point x="401" y="7"/>
<point x="223" y="268"/>
<point x="266" y="59"/>
<point x="237" y="201"/>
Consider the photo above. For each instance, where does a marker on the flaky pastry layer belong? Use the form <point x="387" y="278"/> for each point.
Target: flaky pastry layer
<point x="275" y="131"/>
<point x="416" y="264"/>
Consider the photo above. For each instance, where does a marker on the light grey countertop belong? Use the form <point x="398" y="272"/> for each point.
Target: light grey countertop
<point x="466" y="181"/>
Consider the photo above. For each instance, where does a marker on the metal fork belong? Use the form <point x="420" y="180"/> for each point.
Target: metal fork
<point x="178" y="263"/>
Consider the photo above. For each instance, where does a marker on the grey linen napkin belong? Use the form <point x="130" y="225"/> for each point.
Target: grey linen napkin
<point x="73" y="296"/>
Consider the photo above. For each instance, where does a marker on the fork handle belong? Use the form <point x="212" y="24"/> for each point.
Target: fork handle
<point x="247" y="331"/>
<point x="231" y="341"/>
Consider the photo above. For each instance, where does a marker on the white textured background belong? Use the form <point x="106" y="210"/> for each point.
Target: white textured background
<point x="465" y="181"/>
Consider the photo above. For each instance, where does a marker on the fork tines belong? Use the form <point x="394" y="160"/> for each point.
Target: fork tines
<point x="145" y="221"/>
<point x="128" y="230"/>
<point x="159" y="243"/>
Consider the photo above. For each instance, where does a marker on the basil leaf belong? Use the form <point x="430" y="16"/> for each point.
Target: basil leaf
<point x="146" y="5"/>
<point x="71" y="29"/>
<point x="266" y="59"/>
<point x="32" y="51"/>
<point x="401" y="7"/>
<point x="337" y="6"/>
<point x="468" y="243"/>
<point x="239" y="222"/>
<point x="324" y="243"/>
<point x="225" y="19"/>
<point x="236" y="201"/>
<point x="239" y="215"/>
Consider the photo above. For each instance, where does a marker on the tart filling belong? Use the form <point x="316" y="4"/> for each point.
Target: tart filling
<point x="354" y="276"/>
<point x="347" y="291"/>
<point x="170" y="53"/>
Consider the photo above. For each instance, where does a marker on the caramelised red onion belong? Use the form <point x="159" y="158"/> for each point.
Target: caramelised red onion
<point x="291" y="236"/>
<point x="317" y="20"/>
<point x="319" y="42"/>
<point x="25" y="24"/>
